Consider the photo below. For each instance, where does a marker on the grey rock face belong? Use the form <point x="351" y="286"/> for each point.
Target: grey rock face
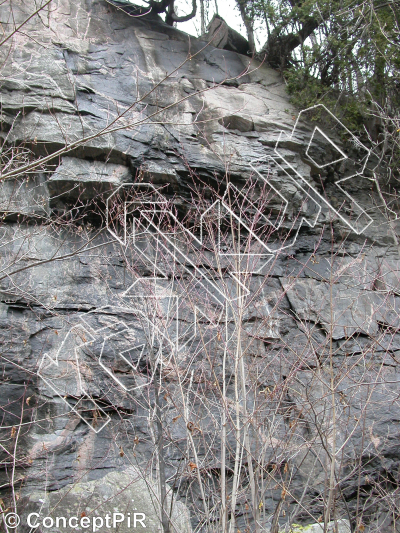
<point x="26" y="196"/>
<point x="353" y="311"/>
<point x="147" y="113"/>
<point x="341" y="526"/>
<point x="76" y="177"/>
<point x="222" y="36"/>
<point x="127" y="500"/>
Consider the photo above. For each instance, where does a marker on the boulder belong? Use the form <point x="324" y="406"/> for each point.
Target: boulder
<point x="223" y="36"/>
<point x="129" y="499"/>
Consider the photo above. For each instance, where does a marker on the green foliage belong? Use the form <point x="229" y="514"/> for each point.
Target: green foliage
<point x="307" y="90"/>
<point x="344" y="54"/>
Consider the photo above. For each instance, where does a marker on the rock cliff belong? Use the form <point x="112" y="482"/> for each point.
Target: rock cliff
<point x="103" y="100"/>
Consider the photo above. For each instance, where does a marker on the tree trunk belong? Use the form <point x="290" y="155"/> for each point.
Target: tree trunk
<point x="169" y="17"/>
<point x="248" y="25"/>
<point x="202" y="18"/>
<point x="160" y="455"/>
<point x="278" y="48"/>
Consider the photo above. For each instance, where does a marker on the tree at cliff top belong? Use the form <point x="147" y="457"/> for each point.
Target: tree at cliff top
<point x="343" y="53"/>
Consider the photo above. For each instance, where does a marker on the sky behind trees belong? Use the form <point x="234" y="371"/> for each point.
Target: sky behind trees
<point x="227" y="9"/>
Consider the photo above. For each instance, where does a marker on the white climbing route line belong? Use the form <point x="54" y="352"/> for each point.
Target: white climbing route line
<point x="363" y="220"/>
<point x="157" y="301"/>
<point x="63" y="376"/>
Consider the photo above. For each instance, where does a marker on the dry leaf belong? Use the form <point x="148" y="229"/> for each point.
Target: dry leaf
<point x="192" y="466"/>
<point x="375" y="440"/>
<point x="176" y="418"/>
<point x="28" y="400"/>
<point x="121" y="451"/>
<point x="13" y="432"/>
